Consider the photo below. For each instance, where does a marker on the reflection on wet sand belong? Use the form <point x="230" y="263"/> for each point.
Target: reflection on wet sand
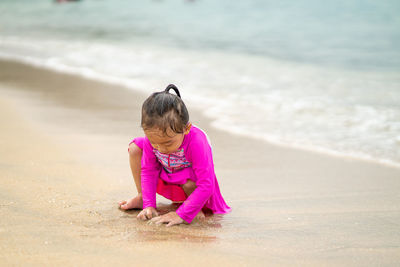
<point x="198" y="231"/>
<point x="124" y="226"/>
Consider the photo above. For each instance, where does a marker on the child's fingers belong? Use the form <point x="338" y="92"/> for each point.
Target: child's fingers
<point x="155" y="219"/>
<point x="161" y="220"/>
<point x="149" y="214"/>
<point x="140" y="215"/>
<point x="171" y="223"/>
<point x="155" y="213"/>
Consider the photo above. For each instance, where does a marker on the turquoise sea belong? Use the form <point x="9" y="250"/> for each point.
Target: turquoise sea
<point x="313" y="74"/>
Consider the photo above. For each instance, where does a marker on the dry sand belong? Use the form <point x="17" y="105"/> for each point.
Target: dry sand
<point x="64" y="166"/>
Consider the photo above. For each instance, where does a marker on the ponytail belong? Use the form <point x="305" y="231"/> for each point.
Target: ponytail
<point x="173" y="87"/>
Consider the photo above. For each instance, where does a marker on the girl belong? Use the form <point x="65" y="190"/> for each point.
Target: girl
<point x="175" y="160"/>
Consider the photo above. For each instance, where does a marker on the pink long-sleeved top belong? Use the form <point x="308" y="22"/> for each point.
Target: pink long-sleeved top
<point x="194" y="161"/>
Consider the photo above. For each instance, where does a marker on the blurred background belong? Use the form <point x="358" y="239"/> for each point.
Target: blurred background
<point x="320" y="75"/>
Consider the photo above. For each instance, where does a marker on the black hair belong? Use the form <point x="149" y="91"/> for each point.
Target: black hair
<point x="164" y="110"/>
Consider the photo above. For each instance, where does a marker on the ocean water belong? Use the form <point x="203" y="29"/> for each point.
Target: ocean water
<point x="311" y="74"/>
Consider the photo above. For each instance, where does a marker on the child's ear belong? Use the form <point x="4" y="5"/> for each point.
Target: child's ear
<point x="188" y="126"/>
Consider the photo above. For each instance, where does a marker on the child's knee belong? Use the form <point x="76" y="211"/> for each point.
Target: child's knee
<point x="189" y="186"/>
<point x="135" y="151"/>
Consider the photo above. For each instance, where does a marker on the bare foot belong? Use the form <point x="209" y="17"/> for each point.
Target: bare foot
<point x="200" y="216"/>
<point x="134" y="203"/>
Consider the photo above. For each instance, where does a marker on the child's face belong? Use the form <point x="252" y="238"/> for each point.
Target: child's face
<point x="165" y="143"/>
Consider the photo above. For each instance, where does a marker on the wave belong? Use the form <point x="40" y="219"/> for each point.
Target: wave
<point x="335" y="112"/>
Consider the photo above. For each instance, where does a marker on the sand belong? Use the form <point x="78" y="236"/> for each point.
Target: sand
<point x="64" y="166"/>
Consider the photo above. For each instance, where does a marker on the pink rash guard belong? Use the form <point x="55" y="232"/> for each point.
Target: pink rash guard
<point x="193" y="161"/>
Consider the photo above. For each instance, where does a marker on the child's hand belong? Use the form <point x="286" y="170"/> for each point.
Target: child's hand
<point x="171" y="218"/>
<point x="147" y="213"/>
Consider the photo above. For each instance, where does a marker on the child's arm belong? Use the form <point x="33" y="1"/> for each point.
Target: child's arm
<point x="203" y="168"/>
<point x="200" y="155"/>
<point x="150" y="172"/>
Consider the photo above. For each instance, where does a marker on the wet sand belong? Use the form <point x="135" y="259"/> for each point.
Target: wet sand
<point x="64" y="166"/>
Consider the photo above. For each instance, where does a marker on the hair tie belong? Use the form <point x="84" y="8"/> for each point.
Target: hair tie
<point x="173" y="87"/>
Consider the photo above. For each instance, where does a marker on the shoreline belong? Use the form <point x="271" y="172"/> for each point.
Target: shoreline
<point x="320" y="150"/>
<point x="65" y="168"/>
<point x="296" y="146"/>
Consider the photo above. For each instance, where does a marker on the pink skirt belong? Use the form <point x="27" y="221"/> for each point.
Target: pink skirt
<point x="170" y="191"/>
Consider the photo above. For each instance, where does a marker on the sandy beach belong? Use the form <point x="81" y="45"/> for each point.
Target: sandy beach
<point x="64" y="166"/>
